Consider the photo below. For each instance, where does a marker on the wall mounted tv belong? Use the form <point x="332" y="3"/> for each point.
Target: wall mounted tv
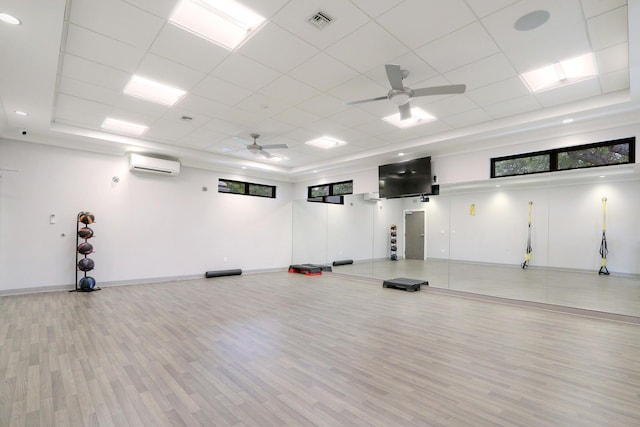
<point x="405" y="179"/>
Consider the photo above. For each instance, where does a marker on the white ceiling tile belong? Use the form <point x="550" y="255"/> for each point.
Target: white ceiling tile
<point x="323" y="105"/>
<point x="74" y="110"/>
<point x="484" y="72"/>
<point x="88" y="91"/>
<point x="416" y="22"/>
<point x="118" y="20"/>
<point x="569" y="93"/>
<point x="563" y="14"/>
<point x="277" y="48"/>
<point x="103" y="50"/>
<point x="161" y="8"/>
<point x="513" y="107"/>
<point x="91" y="72"/>
<point x="220" y="91"/>
<point x="346" y="18"/>
<point x="614" y="81"/>
<point x="448" y="106"/>
<point x="498" y="92"/>
<point x="297" y="117"/>
<point x="350" y="49"/>
<point x="169" y="131"/>
<point x="201" y="105"/>
<point x="353" y="117"/>
<point x="289" y="90"/>
<point x="188" y="49"/>
<point x="461" y="47"/>
<point x="483" y="8"/>
<point x="245" y="72"/>
<point x="265" y="8"/>
<point x="608" y="29"/>
<point x="168" y="72"/>
<point x="592" y="8"/>
<point x="549" y="49"/>
<point x="467" y="118"/>
<point x="261" y="106"/>
<point x="148" y="110"/>
<point x="613" y="59"/>
<point x="323" y="72"/>
<point x="374" y="8"/>
<point x="360" y="87"/>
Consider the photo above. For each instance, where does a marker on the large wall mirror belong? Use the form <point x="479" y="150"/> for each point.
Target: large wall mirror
<point x="476" y="237"/>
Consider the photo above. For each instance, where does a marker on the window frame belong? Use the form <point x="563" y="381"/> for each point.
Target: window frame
<point x="247" y="188"/>
<point x="331" y="190"/>
<point x="554" y="153"/>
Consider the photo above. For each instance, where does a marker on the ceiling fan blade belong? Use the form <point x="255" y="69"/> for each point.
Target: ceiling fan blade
<point x="265" y="154"/>
<point x="440" y="90"/>
<point x="362" y="101"/>
<point x="275" y="146"/>
<point x="394" y="74"/>
<point x="405" y="111"/>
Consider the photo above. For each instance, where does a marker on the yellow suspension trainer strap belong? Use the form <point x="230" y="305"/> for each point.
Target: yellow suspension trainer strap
<point x="527" y="254"/>
<point x="603" y="243"/>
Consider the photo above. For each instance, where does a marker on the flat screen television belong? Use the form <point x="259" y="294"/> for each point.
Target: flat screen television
<point x="405" y="179"/>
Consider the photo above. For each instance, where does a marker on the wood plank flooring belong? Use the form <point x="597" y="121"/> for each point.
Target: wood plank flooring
<point x="285" y="349"/>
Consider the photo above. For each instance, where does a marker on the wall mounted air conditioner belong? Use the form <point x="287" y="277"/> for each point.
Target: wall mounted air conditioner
<point x="372" y="197"/>
<point x="140" y="163"/>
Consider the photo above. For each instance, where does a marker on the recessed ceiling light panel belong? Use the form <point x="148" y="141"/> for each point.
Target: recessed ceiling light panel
<point x="226" y="23"/>
<point x="563" y="73"/>
<point x="153" y="91"/>
<point x="325" y="142"/>
<point x="418" y="117"/>
<point x="121" y="126"/>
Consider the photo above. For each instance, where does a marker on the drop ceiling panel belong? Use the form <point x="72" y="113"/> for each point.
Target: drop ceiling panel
<point x="286" y="89"/>
<point x="168" y="130"/>
<point x="277" y="48"/>
<point x="563" y="14"/>
<point x="416" y="22"/>
<point x="617" y="80"/>
<point x="323" y="72"/>
<point x="608" y="29"/>
<point x="483" y="8"/>
<point x="150" y="111"/>
<point x="569" y="93"/>
<point x="346" y="18"/>
<point x="592" y="8"/>
<point x="297" y="117"/>
<point x="161" y="8"/>
<point x="187" y="49"/>
<point x="101" y="49"/>
<point x="350" y="50"/>
<point x="352" y="117"/>
<point x="498" y="92"/>
<point x="449" y="106"/>
<point x="117" y="20"/>
<point x="374" y="8"/>
<point x="358" y="88"/>
<point x="467" y="118"/>
<point x="513" y="107"/>
<point x="91" y="72"/>
<point x="74" y="110"/>
<point x="245" y="72"/>
<point x="459" y="48"/>
<point x="613" y="58"/>
<point x="483" y="72"/>
<point x="88" y="91"/>
<point x="417" y="68"/>
<point x="168" y="72"/>
<point x="220" y="91"/>
<point x="323" y="105"/>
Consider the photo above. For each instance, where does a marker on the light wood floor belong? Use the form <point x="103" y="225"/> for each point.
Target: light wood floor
<point x="285" y="349"/>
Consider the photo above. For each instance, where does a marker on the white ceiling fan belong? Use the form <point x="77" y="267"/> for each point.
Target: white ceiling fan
<point x="255" y="148"/>
<point x="401" y="95"/>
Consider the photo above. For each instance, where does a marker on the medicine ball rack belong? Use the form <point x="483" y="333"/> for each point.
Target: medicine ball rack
<point x="84" y="264"/>
<point x="393" y="240"/>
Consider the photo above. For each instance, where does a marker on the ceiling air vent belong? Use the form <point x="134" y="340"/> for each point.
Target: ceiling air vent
<point x="320" y="20"/>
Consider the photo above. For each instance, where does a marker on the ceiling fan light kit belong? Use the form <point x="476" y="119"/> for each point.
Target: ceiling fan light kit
<point x="255" y="148"/>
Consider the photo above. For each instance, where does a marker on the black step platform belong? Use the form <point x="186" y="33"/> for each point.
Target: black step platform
<point x="410" y="285"/>
<point x="305" y="269"/>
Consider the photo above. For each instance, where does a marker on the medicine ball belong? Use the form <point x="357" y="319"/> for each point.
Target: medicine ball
<point x="86" y="264"/>
<point x="85" y="248"/>
<point x="394" y="248"/>
<point x="87" y="283"/>
<point x="86" y="217"/>
<point x="85" y="233"/>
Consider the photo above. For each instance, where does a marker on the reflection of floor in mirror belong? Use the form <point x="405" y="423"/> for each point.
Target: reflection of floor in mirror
<point x="611" y="294"/>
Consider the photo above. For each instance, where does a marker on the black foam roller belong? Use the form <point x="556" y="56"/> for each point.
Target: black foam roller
<point x="221" y="273"/>
<point x="343" y="262"/>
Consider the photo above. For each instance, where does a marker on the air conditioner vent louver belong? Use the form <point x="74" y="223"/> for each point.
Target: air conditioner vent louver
<point x="320" y="20"/>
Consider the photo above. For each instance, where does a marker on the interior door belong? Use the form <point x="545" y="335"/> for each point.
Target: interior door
<point x="414" y="235"/>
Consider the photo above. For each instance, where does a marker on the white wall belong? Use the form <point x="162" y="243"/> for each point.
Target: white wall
<point x="147" y="226"/>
